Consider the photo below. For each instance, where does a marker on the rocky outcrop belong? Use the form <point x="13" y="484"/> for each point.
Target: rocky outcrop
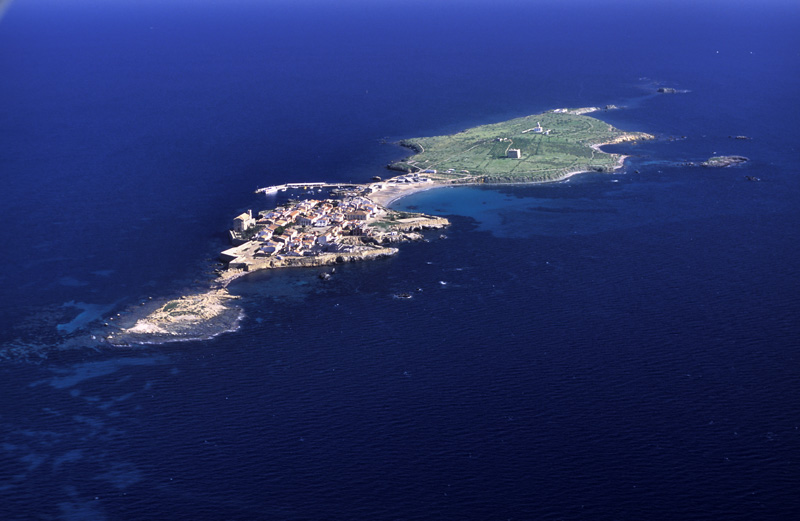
<point x="357" y="253"/>
<point x="388" y="238"/>
<point x="190" y="317"/>
<point x="416" y="147"/>
<point x="723" y="161"/>
<point x="628" y="137"/>
<point x="402" y="166"/>
<point x="579" y="111"/>
<point x="206" y="314"/>
<point x="416" y="224"/>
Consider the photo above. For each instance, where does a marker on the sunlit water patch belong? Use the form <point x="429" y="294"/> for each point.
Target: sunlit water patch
<point x="597" y="203"/>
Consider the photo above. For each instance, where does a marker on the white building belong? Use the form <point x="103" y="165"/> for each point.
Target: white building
<point x="264" y="235"/>
<point x="272" y="247"/>
<point x="244" y="221"/>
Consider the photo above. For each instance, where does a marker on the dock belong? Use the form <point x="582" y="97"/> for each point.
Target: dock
<point x="304" y="186"/>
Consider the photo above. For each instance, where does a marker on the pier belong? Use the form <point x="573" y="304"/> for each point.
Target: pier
<point x="304" y="186"/>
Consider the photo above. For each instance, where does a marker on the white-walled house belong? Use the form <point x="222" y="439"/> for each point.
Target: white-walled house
<point x="272" y="247"/>
<point x="244" y="221"/>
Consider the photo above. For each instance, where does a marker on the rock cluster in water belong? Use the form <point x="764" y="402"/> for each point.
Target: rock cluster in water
<point x="723" y="161"/>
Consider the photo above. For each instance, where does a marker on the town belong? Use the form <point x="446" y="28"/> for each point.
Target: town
<point x="304" y="233"/>
<point x="335" y="223"/>
<point x="307" y="228"/>
<point x="316" y="232"/>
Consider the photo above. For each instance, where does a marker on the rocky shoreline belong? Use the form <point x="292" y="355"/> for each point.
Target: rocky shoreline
<point x="206" y="313"/>
<point x="358" y="227"/>
<point x="193" y="316"/>
<point x="723" y="161"/>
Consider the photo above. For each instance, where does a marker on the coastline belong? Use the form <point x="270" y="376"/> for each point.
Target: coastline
<point x="206" y="312"/>
<point x="389" y="196"/>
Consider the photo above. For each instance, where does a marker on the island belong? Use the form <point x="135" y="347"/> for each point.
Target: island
<point x="310" y="233"/>
<point x="542" y="147"/>
<point x="723" y="161"/>
<point x="355" y="222"/>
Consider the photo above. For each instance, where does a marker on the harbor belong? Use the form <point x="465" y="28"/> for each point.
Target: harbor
<point x="306" y="186"/>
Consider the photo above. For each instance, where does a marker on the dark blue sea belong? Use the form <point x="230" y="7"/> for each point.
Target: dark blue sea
<point x="611" y="347"/>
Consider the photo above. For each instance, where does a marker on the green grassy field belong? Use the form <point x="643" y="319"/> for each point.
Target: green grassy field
<point x="479" y="154"/>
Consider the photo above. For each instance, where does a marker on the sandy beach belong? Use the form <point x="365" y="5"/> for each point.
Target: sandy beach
<point x="388" y="195"/>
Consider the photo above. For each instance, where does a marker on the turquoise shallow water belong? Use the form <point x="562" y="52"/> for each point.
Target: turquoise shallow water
<point x="587" y="204"/>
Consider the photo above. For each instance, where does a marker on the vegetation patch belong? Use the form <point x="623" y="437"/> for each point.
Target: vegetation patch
<point x="551" y="145"/>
